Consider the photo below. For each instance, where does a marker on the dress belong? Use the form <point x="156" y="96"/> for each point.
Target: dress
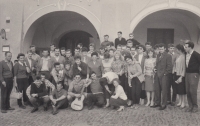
<point x="107" y="65"/>
<point x="149" y="74"/>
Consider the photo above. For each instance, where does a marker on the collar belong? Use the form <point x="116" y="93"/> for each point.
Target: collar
<point x="172" y="53"/>
<point x="7" y="61"/>
<point x="190" y="53"/>
<point x="46" y="58"/>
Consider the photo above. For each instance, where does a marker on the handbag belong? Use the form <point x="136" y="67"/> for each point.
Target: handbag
<point x="16" y="94"/>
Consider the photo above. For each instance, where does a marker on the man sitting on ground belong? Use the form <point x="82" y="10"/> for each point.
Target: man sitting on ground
<point x="38" y="94"/>
<point x="59" y="98"/>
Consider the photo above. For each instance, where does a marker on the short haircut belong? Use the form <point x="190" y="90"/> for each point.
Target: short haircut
<point x="101" y="48"/>
<point x="131" y="34"/>
<point x="129" y="41"/>
<point x="106" y="35"/>
<point x="190" y="44"/>
<point x="68" y="63"/>
<point x="92" y="73"/>
<point x="141" y="46"/>
<point x="77" y="57"/>
<point x="162" y="45"/>
<point x="56" y="49"/>
<point x="128" y="57"/>
<point x="60" y="83"/>
<point x="148" y="43"/>
<point x="32" y="46"/>
<point x="68" y="50"/>
<point x="42" y="74"/>
<point x="91" y="44"/>
<point x="94" y="53"/>
<point x="106" y="55"/>
<point x="38" y="77"/>
<point x="56" y="64"/>
<point x="52" y="45"/>
<point x="180" y="48"/>
<point x="19" y="55"/>
<point x="156" y="46"/>
<point x="151" y="50"/>
<point x="84" y="49"/>
<point x="7" y="53"/>
<point x="62" y="48"/>
<point x="77" y="48"/>
<point x="15" y="61"/>
<point x="79" y="74"/>
<point x="170" y="45"/>
<point x="119" y="45"/>
<point x="119" y="32"/>
<point x="80" y="44"/>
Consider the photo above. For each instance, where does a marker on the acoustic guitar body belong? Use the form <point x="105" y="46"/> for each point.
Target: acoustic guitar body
<point x="77" y="104"/>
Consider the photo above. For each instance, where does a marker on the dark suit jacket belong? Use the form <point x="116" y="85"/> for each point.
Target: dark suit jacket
<point x="33" y="65"/>
<point x="122" y="42"/>
<point x="194" y="63"/>
<point x="83" y="72"/>
<point x="5" y="71"/>
<point x="163" y="64"/>
<point x="143" y="60"/>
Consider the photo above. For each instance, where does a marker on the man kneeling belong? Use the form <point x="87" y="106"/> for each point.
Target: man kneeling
<point x="59" y="98"/>
<point x="38" y="94"/>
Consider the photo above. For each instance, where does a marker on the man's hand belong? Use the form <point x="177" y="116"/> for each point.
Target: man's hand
<point x="77" y="95"/>
<point x="54" y="101"/>
<point x="79" y="68"/>
<point x="129" y="84"/>
<point x="109" y="91"/>
<point x="4" y="83"/>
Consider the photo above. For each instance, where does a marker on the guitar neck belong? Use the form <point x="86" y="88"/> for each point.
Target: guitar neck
<point x="82" y="90"/>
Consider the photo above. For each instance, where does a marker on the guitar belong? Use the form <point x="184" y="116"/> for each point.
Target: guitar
<point x="77" y="104"/>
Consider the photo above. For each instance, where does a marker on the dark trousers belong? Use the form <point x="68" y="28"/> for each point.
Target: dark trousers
<point x="5" y="93"/>
<point x="192" y="80"/>
<point x="36" y="102"/>
<point x="161" y="89"/>
<point x="30" y="80"/>
<point x="117" y="102"/>
<point x="62" y="104"/>
<point x="97" y="99"/>
<point x="136" y="90"/>
<point x="122" y="80"/>
<point x="111" y="87"/>
<point x="22" y="84"/>
<point x="173" y="85"/>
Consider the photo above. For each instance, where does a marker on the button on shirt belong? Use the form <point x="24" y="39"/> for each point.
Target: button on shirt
<point x="188" y="56"/>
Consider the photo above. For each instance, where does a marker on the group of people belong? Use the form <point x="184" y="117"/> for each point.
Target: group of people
<point x="121" y="73"/>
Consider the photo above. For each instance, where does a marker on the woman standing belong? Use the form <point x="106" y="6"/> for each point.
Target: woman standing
<point x="118" y="66"/>
<point x="179" y="75"/>
<point x="107" y="62"/>
<point x="120" y="98"/>
<point x="134" y="72"/>
<point x="21" y="71"/>
<point x="149" y="65"/>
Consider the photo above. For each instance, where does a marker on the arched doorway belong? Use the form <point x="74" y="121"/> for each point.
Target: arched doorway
<point x="52" y="27"/>
<point x="71" y="39"/>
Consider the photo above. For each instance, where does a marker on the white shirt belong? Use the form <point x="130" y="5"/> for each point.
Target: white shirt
<point x="110" y="76"/>
<point x="188" y="56"/>
<point x="57" y="58"/>
<point x="45" y="64"/>
<point x="29" y="61"/>
<point x="140" y="56"/>
<point x="119" y="93"/>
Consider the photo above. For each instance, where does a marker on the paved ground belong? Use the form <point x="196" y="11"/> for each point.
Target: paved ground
<point x="144" y="116"/>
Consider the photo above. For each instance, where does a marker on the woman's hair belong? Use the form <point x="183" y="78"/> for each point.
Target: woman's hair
<point x="116" y="79"/>
<point x="94" y="53"/>
<point x="151" y="50"/>
<point x="180" y="48"/>
<point x="117" y="53"/>
<point x="20" y="54"/>
<point x="128" y="57"/>
<point x="106" y="55"/>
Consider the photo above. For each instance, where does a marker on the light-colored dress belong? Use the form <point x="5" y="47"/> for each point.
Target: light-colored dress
<point x="149" y="65"/>
<point x="107" y="65"/>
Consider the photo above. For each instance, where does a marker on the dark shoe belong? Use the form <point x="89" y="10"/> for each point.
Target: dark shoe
<point x="26" y="103"/>
<point x="162" y="107"/>
<point x="173" y="104"/>
<point x="55" y="111"/>
<point x="168" y="102"/>
<point x="90" y="107"/>
<point x="3" y="111"/>
<point x="22" y="106"/>
<point x="11" y="108"/>
<point x="154" y="106"/>
<point x="34" y="110"/>
<point x="194" y="110"/>
<point x="45" y="108"/>
<point x="188" y="110"/>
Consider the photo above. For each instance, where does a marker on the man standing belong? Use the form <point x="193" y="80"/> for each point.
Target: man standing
<point x="58" y="58"/>
<point x="69" y="57"/>
<point x="120" y="40"/>
<point x="163" y="68"/>
<point x="35" y="56"/>
<point x="192" y="76"/>
<point x="6" y="79"/>
<point x="106" y="41"/>
<point x="171" y="77"/>
<point x="63" y="52"/>
<point x="84" y="56"/>
<point x="131" y="37"/>
<point x="52" y="50"/>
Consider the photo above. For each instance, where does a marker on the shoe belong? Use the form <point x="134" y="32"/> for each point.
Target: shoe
<point x="91" y="106"/>
<point x="45" y="108"/>
<point x="22" y="106"/>
<point x="3" y="111"/>
<point x="162" y="107"/>
<point x="154" y="106"/>
<point x="55" y="111"/>
<point x="168" y="102"/>
<point x="173" y="104"/>
<point x="11" y="108"/>
<point x="178" y="105"/>
<point x="106" y="106"/>
<point x="188" y="109"/>
<point x="194" y="110"/>
<point x="34" y="110"/>
<point x="148" y="104"/>
<point x="25" y="103"/>
<point x="121" y="108"/>
<point x="182" y="107"/>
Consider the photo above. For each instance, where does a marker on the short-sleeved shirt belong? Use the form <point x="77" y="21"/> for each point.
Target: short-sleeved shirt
<point x="110" y="76"/>
<point x="75" y="86"/>
<point x="57" y="94"/>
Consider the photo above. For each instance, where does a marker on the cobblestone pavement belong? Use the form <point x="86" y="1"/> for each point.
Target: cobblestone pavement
<point x="144" y="116"/>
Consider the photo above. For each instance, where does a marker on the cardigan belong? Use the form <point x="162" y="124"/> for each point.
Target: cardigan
<point x="179" y="66"/>
<point x="5" y="71"/>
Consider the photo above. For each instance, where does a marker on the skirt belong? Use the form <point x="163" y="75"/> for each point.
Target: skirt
<point x="149" y="85"/>
<point x="181" y="87"/>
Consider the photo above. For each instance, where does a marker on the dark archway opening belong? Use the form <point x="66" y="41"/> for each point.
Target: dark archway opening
<point x="71" y="40"/>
